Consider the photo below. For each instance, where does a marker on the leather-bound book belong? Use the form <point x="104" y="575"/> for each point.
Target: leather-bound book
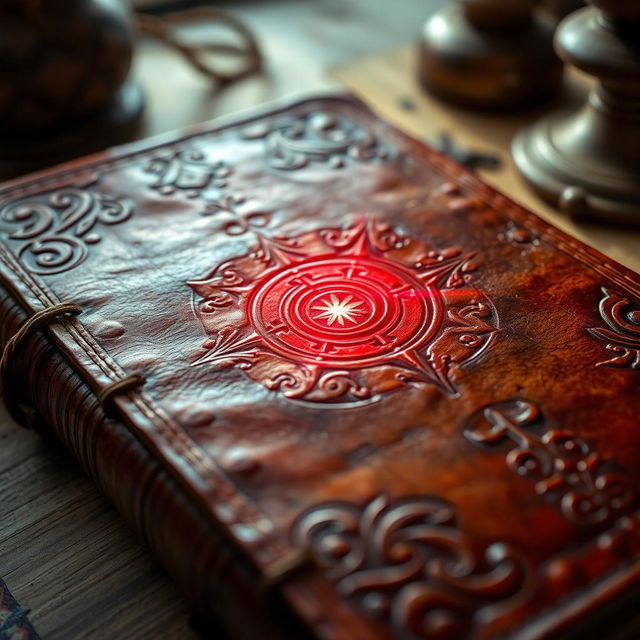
<point x="343" y="389"/>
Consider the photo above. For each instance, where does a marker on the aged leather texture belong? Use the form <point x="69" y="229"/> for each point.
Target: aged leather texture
<point x="380" y="399"/>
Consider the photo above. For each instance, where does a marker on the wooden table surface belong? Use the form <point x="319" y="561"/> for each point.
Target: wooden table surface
<point x="64" y="551"/>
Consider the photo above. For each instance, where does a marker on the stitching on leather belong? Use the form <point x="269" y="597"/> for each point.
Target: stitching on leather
<point x="104" y="362"/>
<point x="102" y="358"/>
<point x="169" y="429"/>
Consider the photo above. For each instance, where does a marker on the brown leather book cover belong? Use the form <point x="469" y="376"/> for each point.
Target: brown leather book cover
<point x="343" y="388"/>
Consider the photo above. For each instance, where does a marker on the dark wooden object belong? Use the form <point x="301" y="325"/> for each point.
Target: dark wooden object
<point x="588" y="163"/>
<point x="489" y="54"/>
<point x="64" y="80"/>
<point x="561" y="8"/>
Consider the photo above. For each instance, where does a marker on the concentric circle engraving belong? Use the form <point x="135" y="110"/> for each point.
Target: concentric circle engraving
<point x="344" y="312"/>
<point x="342" y="316"/>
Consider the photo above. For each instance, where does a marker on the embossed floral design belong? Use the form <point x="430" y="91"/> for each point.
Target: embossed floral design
<point x="622" y="334"/>
<point x="54" y="234"/>
<point x="413" y="315"/>
<point x="408" y="563"/>
<point x="328" y="138"/>
<point x="187" y="170"/>
<point x="192" y="172"/>
<point x="563" y="467"/>
<point x="235" y="216"/>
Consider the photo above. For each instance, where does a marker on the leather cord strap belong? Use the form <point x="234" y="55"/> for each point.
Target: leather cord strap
<point x="108" y="393"/>
<point x="202" y="56"/>
<point x="291" y="563"/>
<point x="15" y="343"/>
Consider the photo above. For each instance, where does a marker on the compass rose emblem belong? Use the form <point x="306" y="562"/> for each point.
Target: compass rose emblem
<point x="341" y="316"/>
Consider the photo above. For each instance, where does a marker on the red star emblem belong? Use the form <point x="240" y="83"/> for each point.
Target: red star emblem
<point x="344" y="315"/>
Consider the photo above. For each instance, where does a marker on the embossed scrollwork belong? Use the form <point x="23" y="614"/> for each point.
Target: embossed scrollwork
<point x="187" y="170"/>
<point x="563" y="467"/>
<point x="408" y="562"/>
<point x="190" y="172"/>
<point x="54" y="235"/>
<point x="294" y="382"/>
<point x="331" y="139"/>
<point x="343" y="315"/>
<point x="622" y="333"/>
<point x="231" y="348"/>
<point x="339" y="383"/>
<point x="234" y="219"/>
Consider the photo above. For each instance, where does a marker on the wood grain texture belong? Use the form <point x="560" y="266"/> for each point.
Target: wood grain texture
<point x="68" y="555"/>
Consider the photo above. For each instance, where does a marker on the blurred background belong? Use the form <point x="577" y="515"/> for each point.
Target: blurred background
<point x="301" y="40"/>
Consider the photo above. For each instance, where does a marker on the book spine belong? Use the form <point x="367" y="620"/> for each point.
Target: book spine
<point x="219" y="583"/>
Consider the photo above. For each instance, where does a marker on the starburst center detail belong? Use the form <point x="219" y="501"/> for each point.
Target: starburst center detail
<point x="338" y="310"/>
<point x="342" y="316"/>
